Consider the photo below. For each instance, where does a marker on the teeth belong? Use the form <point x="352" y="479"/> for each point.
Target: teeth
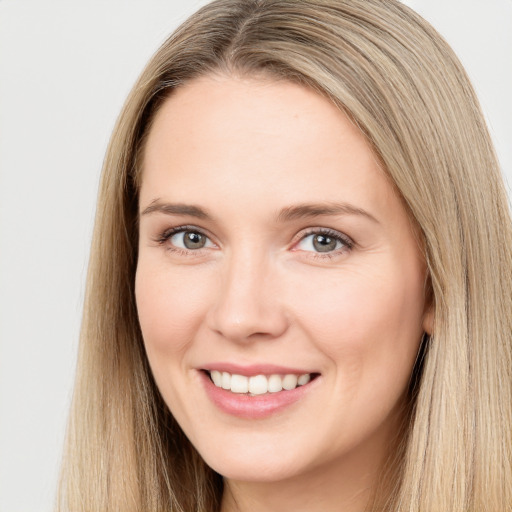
<point x="239" y="384"/>
<point x="258" y="384"/>
<point x="217" y="378"/>
<point x="303" y="379"/>
<point x="275" y="383"/>
<point x="226" y="380"/>
<point x="290" y="382"/>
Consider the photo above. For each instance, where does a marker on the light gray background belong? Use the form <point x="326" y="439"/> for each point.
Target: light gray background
<point x="65" y="69"/>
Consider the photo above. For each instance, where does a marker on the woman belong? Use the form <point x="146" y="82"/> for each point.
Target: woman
<point x="299" y="292"/>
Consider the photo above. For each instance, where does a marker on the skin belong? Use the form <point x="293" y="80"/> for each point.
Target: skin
<point x="260" y="292"/>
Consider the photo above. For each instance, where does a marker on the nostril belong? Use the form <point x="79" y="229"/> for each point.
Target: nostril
<point x="246" y="311"/>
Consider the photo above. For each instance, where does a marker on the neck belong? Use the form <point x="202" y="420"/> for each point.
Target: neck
<point x="311" y="493"/>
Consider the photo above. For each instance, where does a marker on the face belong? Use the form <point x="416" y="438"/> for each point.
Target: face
<point x="280" y="285"/>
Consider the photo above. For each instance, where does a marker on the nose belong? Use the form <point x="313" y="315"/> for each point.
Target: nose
<point x="248" y="304"/>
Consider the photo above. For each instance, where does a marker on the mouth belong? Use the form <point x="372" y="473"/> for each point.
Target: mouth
<point x="257" y="391"/>
<point x="261" y="384"/>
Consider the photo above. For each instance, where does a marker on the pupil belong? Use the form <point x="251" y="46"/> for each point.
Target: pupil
<point x="323" y="243"/>
<point x="194" y="240"/>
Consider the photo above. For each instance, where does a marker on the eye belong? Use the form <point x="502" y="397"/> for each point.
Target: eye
<point x="323" y="242"/>
<point x="189" y="240"/>
<point x="184" y="239"/>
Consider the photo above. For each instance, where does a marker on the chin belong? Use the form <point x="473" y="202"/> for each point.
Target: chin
<point x="254" y="466"/>
<point x="254" y="471"/>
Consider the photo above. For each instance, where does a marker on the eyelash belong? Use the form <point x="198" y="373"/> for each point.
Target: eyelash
<point x="166" y="235"/>
<point x="347" y="243"/>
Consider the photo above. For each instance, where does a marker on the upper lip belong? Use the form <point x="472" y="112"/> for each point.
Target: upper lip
<point x="254" y="369"/>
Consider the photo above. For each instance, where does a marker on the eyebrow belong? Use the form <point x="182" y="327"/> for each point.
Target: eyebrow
<point x="287" y="214"/>
<point x="302" y="211"/>
<point x="176" y="209"/>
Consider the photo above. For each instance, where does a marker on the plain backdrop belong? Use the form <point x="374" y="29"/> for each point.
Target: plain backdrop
<point x="65" y="70"/>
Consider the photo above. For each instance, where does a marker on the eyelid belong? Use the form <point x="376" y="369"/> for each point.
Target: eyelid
<point x="347" y="242"/>
<point x="164" y="237"/>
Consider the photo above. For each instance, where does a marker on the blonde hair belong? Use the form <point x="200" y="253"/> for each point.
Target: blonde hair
<point x="402" y="85"/>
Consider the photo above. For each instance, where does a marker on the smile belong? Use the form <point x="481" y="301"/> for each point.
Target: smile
<point x="258" y="384"/>
<point x="256" y="391"/>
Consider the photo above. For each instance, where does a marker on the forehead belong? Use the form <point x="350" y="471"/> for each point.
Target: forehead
<point x="257" y="139"/>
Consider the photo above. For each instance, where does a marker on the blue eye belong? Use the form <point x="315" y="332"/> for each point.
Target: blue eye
<point x="189" y="240"/>
<point x="322" y="242"/>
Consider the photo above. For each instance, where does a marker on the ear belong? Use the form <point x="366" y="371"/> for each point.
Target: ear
<point x="428" y="308"/>
<point x="428" y="318"/>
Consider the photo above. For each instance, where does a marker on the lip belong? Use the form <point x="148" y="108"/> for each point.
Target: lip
<point x="259" y="406"/>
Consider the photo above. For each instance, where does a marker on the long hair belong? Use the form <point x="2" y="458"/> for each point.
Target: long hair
<point x="402" y="85"/>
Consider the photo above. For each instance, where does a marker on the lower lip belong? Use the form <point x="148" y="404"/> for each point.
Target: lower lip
<point x="254" y="407"/>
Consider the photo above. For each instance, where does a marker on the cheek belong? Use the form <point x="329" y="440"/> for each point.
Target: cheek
<point x="170" y="306"/>
<point x="367" y="322"/>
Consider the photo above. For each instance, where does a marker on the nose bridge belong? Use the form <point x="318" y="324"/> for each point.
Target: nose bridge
<point x="247" y="305"/>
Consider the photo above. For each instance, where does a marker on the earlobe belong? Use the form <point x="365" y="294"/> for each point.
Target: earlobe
<point x="428" y="310"/>
<point x="428" y="320"/>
